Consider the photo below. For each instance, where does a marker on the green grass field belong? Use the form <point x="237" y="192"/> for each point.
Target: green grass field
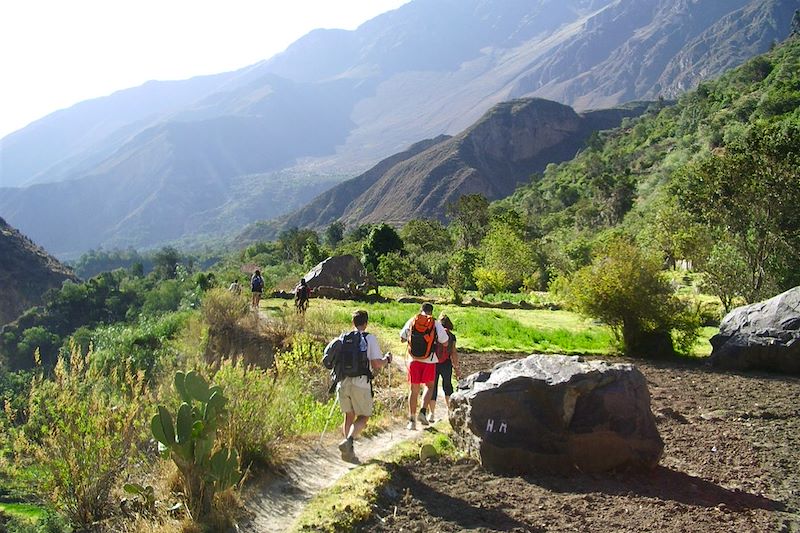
<point x="484" y="329"/>
<point x="25" y="511"/>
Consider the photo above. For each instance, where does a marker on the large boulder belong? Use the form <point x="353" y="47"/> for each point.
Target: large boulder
<point x="556" y="414"/>
<point x="763" y="335"/>
<point x="341" y="276"/>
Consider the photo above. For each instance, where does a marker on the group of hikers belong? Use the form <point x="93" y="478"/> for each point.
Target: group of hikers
<point x="256" y="288"/>
<point x="354" y="356"/>
<point x="302" y="291"/>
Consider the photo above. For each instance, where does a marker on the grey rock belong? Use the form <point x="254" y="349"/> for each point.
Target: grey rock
<point x="556" y="414"/>
<point x="761" y="336"/>
<point x="340" y="276"/>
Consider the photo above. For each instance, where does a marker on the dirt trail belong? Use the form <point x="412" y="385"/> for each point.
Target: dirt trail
<point x="277" y="502"/>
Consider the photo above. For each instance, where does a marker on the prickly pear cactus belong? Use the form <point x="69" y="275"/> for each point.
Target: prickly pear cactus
<point x="189" y="440"/>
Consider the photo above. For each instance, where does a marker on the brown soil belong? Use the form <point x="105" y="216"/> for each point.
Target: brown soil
<point x="730" y="464"/>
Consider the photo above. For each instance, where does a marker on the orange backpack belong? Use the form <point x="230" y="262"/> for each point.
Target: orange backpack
<point x="422" y="336"/>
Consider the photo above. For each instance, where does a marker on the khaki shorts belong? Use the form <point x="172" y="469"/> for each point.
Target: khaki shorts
<point x="354" y="399"/>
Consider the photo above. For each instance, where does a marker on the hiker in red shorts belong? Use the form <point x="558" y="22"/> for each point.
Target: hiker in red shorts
<point x="421" y="332"/>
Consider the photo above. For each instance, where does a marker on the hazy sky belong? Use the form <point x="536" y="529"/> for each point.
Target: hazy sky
<point x="55" y="53"/>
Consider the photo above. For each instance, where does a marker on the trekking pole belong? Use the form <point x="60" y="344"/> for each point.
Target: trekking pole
<point x="327" y="421"/>
<point x="391" y="385"/>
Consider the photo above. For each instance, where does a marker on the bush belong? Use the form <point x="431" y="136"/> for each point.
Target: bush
<point x="626" y="289"/>
<point x="414" y="282"/>
<point x="82" y="432"/>
<point x="491" y="281"/>
<point x="222" y="310"/>
<point x="142" y="347"/>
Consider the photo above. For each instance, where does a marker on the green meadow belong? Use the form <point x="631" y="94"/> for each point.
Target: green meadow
<point x="481" y="329"/>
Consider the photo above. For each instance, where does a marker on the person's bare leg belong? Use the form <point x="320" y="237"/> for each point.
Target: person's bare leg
<point x="412" y="400"/>
<point x="358" y="426"/>
<point x="428" y="393"/>
<point x="432" y="408"/>
<point x="348" y="423"/>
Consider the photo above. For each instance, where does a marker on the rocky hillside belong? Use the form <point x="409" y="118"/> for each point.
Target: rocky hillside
<point x="26" y="272"/>
<point x="201" y="157"/>
<point x="492" y="157"/>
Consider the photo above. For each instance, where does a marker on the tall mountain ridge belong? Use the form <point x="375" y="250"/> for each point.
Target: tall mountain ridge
<point x="492" y="157"/>
<point x="202" y="157"/>
<point x="26" y="273"/>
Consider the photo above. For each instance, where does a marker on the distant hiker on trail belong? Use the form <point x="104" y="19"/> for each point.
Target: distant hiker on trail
<point x="301" y="295"/>
<point x="448" y="363"/>
<point x="256" y="288"/>
<point x="352" y="357"/>
<point x="235" y="288"/>
<point x="421" y="332"/>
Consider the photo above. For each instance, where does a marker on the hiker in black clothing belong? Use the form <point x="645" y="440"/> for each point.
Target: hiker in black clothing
<point x="301" y="295"/>
<point x="447" y="365"/>
<point x="256" y="288"/>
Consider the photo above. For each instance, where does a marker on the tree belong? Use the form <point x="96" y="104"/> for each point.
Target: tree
<point x="626" y="289"/>
<point x="726" y="273"/>
<point x="293" y="243"/>
<point x="420" y="236"/>
<point x="470" y="218"/>
<point x="507" y="255"/>
<point x="750" y="190"/>
<point x="676" y="235"/>
<point x="334" y="233"/>
<point x="166" y="262"/>
<point x="382" y="239"/>
<point x="459" y="276"/>
<point x="313" y="254"/>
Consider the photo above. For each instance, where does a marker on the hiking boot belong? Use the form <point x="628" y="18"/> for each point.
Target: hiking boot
<point x="422" y="418"/>
<point x="411" y="424"/>
<point x="346" y="449"/>
<point x="431" y="418"/>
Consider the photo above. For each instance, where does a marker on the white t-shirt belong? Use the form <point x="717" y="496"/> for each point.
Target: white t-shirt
<point x="441" y="336"/>
<point x="373" y="352"/>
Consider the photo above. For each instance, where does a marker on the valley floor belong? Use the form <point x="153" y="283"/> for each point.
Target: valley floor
<point x="732" y="444"/>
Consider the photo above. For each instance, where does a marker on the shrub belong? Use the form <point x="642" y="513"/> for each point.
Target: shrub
<point x="626" y="289"/>
<point x="414" y="282"/>
<point x="491" y="281"/>
<point x="142" y="347"/>
<point x="222" y="310"/>
<point x="392" y="268"/>
<point x="266" y="406"/>
<point x="82" y="432"/>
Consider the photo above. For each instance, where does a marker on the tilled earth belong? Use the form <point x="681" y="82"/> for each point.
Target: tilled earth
<point x="732" y="443"/>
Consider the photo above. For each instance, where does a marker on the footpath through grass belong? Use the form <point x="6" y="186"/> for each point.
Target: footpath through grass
<point x="350" y="501"/>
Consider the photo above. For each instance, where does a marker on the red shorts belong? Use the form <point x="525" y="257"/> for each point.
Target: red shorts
<point x="419" y="372"/>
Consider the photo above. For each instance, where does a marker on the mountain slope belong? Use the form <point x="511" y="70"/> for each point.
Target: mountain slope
<point x="625" y="177"/>
<point x="492" y="157"/>
<point x="176" y="160"/>
<point x="26" y="273"/>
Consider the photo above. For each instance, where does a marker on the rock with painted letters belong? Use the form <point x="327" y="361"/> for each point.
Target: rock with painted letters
<point x="556" y="414"/>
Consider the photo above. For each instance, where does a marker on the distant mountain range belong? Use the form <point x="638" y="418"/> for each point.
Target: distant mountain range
<point x="202" y="157"/>
<point x="501" y="151"/>
<point x="26" y="273"/>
